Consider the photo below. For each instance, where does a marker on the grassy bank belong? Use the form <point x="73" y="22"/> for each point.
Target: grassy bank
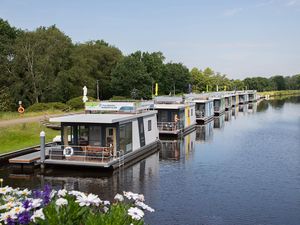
<point x="279" y="93"/>
<point x="22" y="136"/>
<point x="16" y="115"/>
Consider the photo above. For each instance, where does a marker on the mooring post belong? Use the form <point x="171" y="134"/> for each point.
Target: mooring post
<point x="42" y="136"/>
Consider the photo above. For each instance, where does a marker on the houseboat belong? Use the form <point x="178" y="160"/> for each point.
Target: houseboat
<point x="175" y="116"/>
<point x="234" y="99"/>
<point x="228" y="101"/>
<point x="219" y="105"/>
<point x="252" y="95"/>
<point x="108" y="135"/>
<point x="243" y="97"/>
<point x="204" y="107"/>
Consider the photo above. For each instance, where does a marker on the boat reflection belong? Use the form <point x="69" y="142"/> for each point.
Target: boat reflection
<point x="252" y="108"/>
<point x="219" y="121"/>
<point x="235" y="111"/>
<point x="176" y="149"/>
<point x="105" y="184"/>
<point x="228" y="115"/>
<point x="204" y="133"/>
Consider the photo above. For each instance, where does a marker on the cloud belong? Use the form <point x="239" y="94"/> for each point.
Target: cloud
<point x="232" y="12"/>
<point x="292" y="2"/>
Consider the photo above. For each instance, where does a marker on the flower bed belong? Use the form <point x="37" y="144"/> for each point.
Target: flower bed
<point x="48" y="206"/>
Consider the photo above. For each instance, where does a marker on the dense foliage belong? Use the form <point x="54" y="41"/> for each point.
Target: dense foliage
<point x="45" y="66"/>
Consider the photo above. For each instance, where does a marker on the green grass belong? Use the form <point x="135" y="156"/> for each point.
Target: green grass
<point x="23" y="135"/>
<point x="280" y="93"/>
<point x="16" y="115"/>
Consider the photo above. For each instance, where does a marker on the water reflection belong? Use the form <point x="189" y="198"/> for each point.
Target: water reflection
<point x="228" y="115"/>
<point x="235" y="112"/>
<point x="219" y="121"/>
<point x="177" y="149"/>
<point x="252" y="108"/>
<point x="204" y="133"/>
<point x="106" y="184"/>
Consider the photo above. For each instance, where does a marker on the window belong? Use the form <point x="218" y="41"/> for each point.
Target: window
<point x="149" y="125"/>
<point x="126" y="137"/>
<point x="191" y="112"/>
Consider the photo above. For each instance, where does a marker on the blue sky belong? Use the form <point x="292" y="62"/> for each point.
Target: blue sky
<point x="238" y="38"/>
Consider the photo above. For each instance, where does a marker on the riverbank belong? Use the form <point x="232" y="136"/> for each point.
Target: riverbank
<point x="23" y="135"/>
<point x="279" y="93"/>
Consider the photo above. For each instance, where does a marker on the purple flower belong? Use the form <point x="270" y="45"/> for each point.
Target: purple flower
<point x="10" y="221"/>
<point x="26" y="204"/>
<point x="37" y="194"/>
<point x="24" y="218"/>
<point x="46" y="194"/>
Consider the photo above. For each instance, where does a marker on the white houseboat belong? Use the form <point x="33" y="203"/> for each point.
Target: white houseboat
<point x="204" y="107"/>
<point x="219" y="105"/>
<point x="174" y="115"/>
<point x="108" y="135"/>
<point x="228" y="101"/>
<point x="243" y="97"/>
<point x="252" y="96"/>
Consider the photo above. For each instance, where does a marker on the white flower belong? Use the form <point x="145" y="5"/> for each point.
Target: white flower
<point x="75" y="193"/>
<point x="52" y="194"/>
<point x="62" y="193"/>
<point x="35" y="203"/>
<point x="135" y="213"/>
<point x="91" y="199"/>
<point x="119" y="198"/>
<point x="24" y="192"/>
<point x="134" y="196"/>
<point x="5" y="190"/>
<point x="8" y="205"/>
<point x="9" y="198"/>
<point x="17" y="210"/>
<point x="105" y="209"/>
<point x="144" y="206"/>
<point x="38" y="214"/>
<point x="61" y="201"/>
<point x="106" y="203"/>
<point x="4" y="216"/>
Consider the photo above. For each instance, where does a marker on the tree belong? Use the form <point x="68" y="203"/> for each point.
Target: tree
<point x="175" y="77"/>
<point x="40" y="56"/>
<point x="130" y="78"/>
<point x="279" y="82"/>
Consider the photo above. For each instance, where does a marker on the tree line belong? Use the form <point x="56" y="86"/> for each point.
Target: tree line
<point x="44" y="65"/>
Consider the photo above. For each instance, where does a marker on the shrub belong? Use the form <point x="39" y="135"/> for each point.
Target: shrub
<point x="48" y="206"/>
<point x="47" y="106"/>
<point x="77" y="103"/>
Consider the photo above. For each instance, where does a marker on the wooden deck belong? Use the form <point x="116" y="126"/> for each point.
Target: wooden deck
<point x="30" y="158"/>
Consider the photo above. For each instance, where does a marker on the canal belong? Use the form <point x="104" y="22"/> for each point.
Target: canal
<point x="241" y="168"/>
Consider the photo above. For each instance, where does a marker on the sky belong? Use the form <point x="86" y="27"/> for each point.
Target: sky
<point x="243" y="38"/>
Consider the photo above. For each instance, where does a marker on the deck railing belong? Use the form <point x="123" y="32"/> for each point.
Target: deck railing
<point x="200" y="114"/>
<point x="87" y="153"/>
<point x="168" y="126"/>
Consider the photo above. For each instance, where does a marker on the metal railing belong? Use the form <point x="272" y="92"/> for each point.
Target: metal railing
<point x="200" y="114"/>
<point x="168" y="126"/>
<point x="82" y="153"/>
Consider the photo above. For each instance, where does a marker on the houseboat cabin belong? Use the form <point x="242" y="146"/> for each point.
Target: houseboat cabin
<point x="219" y="105"/>
<point x="108" y="135"/>
<point x="252" y="96"/>
<point x="174" y="116"/>
<point x="243" y="98"/>
<point x="234" y="99"/>
<point x="228" y="102"/>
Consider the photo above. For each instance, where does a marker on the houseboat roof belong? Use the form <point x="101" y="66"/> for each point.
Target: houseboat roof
<point x="169" y="106"/>
<point x="100" y="118"/>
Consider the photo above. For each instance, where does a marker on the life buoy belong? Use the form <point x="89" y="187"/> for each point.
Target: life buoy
<point x="68" y="151"/>
<point x="21" y="110"/>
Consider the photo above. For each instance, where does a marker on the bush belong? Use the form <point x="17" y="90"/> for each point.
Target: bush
<point x="47" y="106"/>
<point x="77" y="103"/>
<point x="48" y="206"/>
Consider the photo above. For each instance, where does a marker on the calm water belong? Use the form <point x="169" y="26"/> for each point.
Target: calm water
<point x="241" y="168"/>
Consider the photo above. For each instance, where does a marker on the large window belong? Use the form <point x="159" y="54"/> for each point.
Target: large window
<point x="126" y="137"/>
